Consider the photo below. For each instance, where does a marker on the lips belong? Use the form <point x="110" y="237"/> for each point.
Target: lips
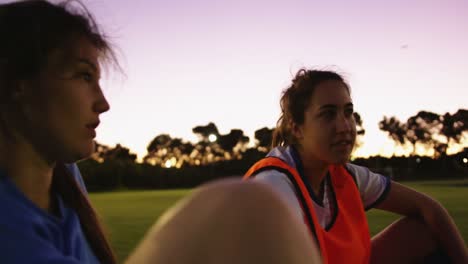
<point x="93" y="125"/>
<point x="343" y="142"/>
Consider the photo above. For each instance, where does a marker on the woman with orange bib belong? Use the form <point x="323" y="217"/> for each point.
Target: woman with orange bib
<point x="309" y="167"/>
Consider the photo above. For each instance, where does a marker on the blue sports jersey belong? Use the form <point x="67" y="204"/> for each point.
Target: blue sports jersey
<point x="28" y="234"/>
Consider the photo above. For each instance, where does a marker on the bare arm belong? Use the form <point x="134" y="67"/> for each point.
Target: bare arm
<point x="406" y="201"/>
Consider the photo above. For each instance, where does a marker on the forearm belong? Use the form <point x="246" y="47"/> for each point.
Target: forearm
<point x="445" y="232"/>
<point x="408" y="202"/>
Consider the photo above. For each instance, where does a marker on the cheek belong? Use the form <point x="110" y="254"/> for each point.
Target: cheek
<point x="38" y="118"/>
<point x="43" y="106"/>
<point x="52" y="118"/>
<point x="65" y="111"/>
<point x="326" y="141"/>
<point x="319" y="140"/>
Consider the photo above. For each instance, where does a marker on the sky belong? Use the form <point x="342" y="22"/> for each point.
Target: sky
<point x="190" y="62"/>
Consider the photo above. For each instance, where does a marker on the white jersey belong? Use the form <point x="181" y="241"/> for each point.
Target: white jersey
<point x="373" y="187"/>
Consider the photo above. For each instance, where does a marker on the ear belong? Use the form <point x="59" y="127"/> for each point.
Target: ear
<point x="296" y="130"/>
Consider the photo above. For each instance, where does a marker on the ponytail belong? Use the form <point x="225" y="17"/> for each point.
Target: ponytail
<point x="281" y="134"/>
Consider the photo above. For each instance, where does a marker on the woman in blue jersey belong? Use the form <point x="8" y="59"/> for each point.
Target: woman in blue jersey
<point x="51" y="102"/>
<point x="309" y="166"/>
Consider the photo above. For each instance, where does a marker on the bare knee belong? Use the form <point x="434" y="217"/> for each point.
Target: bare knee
<point x="231" y="222"/>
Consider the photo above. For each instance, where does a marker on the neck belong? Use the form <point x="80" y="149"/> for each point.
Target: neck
<point x="315" y="170"/>
<point x="28" y="170"/>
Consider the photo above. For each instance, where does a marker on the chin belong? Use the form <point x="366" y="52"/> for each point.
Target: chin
<point x="85" y="153"/>
<point x="75" y="157"/>
<point x="341" y="160"/>
<point x="78" y="154"/>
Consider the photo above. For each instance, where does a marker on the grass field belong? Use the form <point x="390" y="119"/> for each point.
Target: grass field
<point x="128" y="215"/>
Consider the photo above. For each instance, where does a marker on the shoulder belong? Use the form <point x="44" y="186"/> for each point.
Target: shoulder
<point x="373" y="187"/>
<point x="18" y="212"/>
<point x="357" y="171"/>
<point x="274" y="177"/>
<point x="363" y="175"/>
<point x="281" y="184"/>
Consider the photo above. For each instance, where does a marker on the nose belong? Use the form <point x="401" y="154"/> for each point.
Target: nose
<point x="343" y="123"/>
<point x="101" y="105"/>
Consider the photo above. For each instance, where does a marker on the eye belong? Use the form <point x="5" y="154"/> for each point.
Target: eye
<point x="87" y="76"/>
<point x="349" y="112"/>
<point x="328" y="115"/>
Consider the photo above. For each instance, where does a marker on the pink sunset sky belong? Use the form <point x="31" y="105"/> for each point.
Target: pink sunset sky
<point x="187" y="63"/>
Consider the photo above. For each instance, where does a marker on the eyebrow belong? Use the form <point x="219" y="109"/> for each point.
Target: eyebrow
<point x="332" y="106"/>
<point x="89" y="63"/>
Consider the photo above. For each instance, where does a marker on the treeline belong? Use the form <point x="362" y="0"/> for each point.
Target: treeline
<point x="117" y="174"/>
<point x="175" y="163"/>
<point x="428" y="130"/>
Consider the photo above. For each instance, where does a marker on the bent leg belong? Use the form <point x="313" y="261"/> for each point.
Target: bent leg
<point x="228" y="222"/>
<point x="407" y="240"/>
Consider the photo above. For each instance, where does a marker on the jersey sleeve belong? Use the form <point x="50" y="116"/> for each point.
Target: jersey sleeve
<point x="373" y="187"/>
<point x="283" y="186"/>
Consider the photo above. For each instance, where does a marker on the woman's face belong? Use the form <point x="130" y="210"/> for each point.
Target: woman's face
<point x="64" y="103"/>
<point x="329" y="130"/>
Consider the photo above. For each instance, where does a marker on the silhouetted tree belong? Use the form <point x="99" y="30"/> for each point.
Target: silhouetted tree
<point x="428" y="129"/>
<point x="395" y="129"/>
<point x="205" y="131"/>
<point x="206" y="151"/>
<point x="359" y="128"/>
<point x="454" y="126"/>
<point x="166" y="151"/>
<point x="360" y="131"/>
<point x="421" y="128"/>
<point x="264" y="137"/>
<point x="120" y="153"/>
<point x="158" y="150"/>
<point x="117" y="153"/>
<point x="229" y="142"/>
<point x="160" y="141"/>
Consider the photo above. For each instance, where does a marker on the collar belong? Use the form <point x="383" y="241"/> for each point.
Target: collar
<point x="300" y="169"/>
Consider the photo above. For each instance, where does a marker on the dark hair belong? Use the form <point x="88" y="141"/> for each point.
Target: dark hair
<point x="296" y="99"/>
<point x="31" y="30"/>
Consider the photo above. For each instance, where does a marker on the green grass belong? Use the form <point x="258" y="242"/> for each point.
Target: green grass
<point x="128" y="215"/>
